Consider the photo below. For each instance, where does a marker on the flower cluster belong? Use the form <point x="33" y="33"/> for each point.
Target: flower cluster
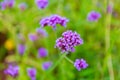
<point x="31" y="73"/>
<point x="80" y="64"/>
<point x="68" y="41"/>
<point x="53" y="21"/>
<point x="7" y="3"/>
<point x="93" y="16"/>
<point x="41" y="3"/>
<point x="12" y="70"/>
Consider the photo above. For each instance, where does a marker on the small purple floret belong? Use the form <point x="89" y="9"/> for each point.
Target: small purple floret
<point x="42" y="52"/>
<point x="68" y="41"/>
<point x="46" y="65"/>
<point x="21" y="49"/>
<point x="93" y="16"/>
<point x="53" y="21"/>
<point x="41" y="32"/>
<point x="80" y="64"/>
<point x="41" y="3"/>
<point x="33" y="37"/>
<point x="12" y="70"/>
<point x="31" y="73"/>
<point x="22" y="6"/>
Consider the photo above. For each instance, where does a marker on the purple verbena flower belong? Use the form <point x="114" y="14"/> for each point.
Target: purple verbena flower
<point x="7" y="4"/>
<point x="53" y="21"/>
<point x="21" y="49"/>
<point x="42" y="52"/>
<point x="80" y="64"/>
<point x="46" y="65"/>
<point x="10" y="3"/>
<point x="41" y="32"/>
<point x="68" y="41"/>
<point x="93" y="16"/>
<point x="3" y="5"/>
<point x="22" y="6"/>
<point x="33" y="37"/>
<point x="41" y="3"/>
<point x="31" y="73"/>
<point x="44" y="22"/>
<point x="110" y="8"/>
<point x="12" y="70"/>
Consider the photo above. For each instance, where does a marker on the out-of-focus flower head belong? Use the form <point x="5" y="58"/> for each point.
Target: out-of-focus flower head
<point x="93" y="16"/>
<point x="33" y="37"/>
<point x="41" y="32"/>
<point x="21" y="49"/>
<point x="12" y="70"/>
<point x="22" y="6"/>
<point x="10" y="3"/>
<point x="53" y="21"/>
<point x="42" y="52"/>
<point x="41" y="3"/>
<point x="80" y="64"/>
<point x="110" y="8"/>
<point x="3" y="5"/>
<point x="7" y="3"/>
<point x="31" y="73"/>
<point x="9" y="44"/>
<point x="68" y="41"/>
<point x="46" y="65"/>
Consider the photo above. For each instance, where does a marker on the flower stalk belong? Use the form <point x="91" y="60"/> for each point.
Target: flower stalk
<point x="107" y="42"/>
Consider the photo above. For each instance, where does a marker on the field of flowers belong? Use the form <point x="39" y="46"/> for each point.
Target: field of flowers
<point x="59" y="40"/>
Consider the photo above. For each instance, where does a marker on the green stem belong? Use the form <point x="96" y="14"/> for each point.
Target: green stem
<point x="68" y="59"/>
<point x="54" y="66"/>
<point x="107" y="44"/>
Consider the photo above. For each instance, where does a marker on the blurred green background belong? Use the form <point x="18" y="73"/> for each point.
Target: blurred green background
<point x="101" y="48"/>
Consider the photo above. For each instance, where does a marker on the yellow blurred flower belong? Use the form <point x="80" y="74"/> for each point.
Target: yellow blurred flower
<point x="9" y="44"/>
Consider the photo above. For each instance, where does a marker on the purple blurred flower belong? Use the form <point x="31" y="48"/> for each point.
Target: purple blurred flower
<point x="53" y="21"/>
<point x="7" y="3"/>
<point x="42" y="52"/>
<point x="12" y="70"/>
<point x="46" y="65"/>
<point x="33" y="37"/>
<point x="31" y="73"/>
<point x="10" y="3"/>
<point x="3" y="5"/>
<point x="93" y="16"/>
<point x="21" y="49"/>
<point x="110" y="8"/>
<point x="41" y="32"/>
<point x="80" y="64"/>
<point x="68" y="41"/>
<point x="41" y="3"/>
<point x="22" y="6"/>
